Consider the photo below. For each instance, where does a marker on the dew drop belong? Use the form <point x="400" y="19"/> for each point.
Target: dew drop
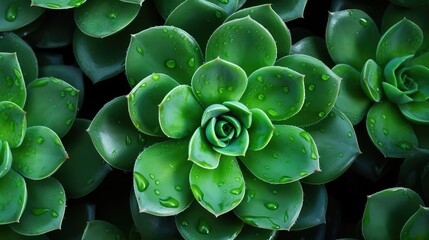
<point x="385" y="131"/>
<point x="114" y="152"/>
<point x="139" y="50"/>
<point x="40" y="140"/>
<point x="271" y="205"/>
<point x="260" y="79"/>
<point x="302" y="174"/>
<point x="113" y="14"/>
<point x="157" y="192"/>
<point x="184" y="223"/>
<point x="53" y="5"/>
<point x="69" y="121"/>
<point x="275" y="156"/>
<point x="203" y="226"/>
<point x="76" y="3"/>
<point x="152" y="176"/>
<point x="349" y="134"/>
<point x="40" y="211"/>
<point x="11" y="12"/>
<point x="325" y="77"/>
<point x="220" y="184"/>
<point x="236" y="191"/>
<point x="178" y="188"/>
<point x="54" y="214"/>
<point x="250" y="195"/>
<point x="363" y="22"/>
<point x="157" y="182"/>
<point x="169" y="202"/>
<point x="191" y="62"/>
<point x="311" y="87"/>
<point x="285" y="179"/>
<point x="199" y="195"/>
<point x="261" y="97"/>
<point x="322" y="114"/>
<point x="273" y="112"/>
<point x="170" y="63"/>
<point x="305" y="135"/>
<point x="286" y="89"/>
<point x="141" y="182"/>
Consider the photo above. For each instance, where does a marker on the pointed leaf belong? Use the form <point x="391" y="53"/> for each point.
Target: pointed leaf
<point x="351" y="37"/>
<point x="270" y="206"/>
<point x="237" y="147"/>
<point x="14" y="197"/>
<point x="238" y="34"/>
<point x="350" y="94"/>
<point x="278" y="91"/>
<point x="250" y="232"/>
<point x="59" y="4"/>
<point x="321" y="88"/>
<point x="218" y="81"/>
<point x="197" y="223"/>
<point x="387" y="211"/>
<point x="83" y="158"/>
<point x="337" y="145"/>
<point x="180" y="112"/>
<point x="13" y="123"/>
<point x="103" y="230"/>
<point x="5" y="158"/>
<point x="371" y="80"/>
<point x="10" y="42"/>
<point x="261" y="130"/>
<point x="152" y="50"/>
<point x="314" y="209"/>
<point x="288" y="10"/>
<point x="12" y="85"/>
<point x="403" y="38"/>
<point x="45" y="208"/>
<point x="416" y="111"/>
<point x="241" y="112"/>
<point x="416" y="226"/>
<point x="161" y="178"/>
<point x="265" y="15"/>
<point x="289" y="156"/>
<point x="313" y="46"/>
<point x="390" y="132"/>
<point x="201" y="151"/>
<point x="17" y="14"/>
<point x="412" y="169"/>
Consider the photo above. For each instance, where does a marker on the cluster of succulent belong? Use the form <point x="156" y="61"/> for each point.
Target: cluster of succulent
<point x="229" y="127"/>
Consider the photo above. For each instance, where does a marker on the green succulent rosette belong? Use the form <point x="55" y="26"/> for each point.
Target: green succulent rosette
<point x="389" y="69"/>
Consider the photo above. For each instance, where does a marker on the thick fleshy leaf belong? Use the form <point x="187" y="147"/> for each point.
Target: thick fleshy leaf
<point x="351" y="37"/>
<point x="14" y="197"/>
<point x="314" y="209"/>
<point x="237" y="147"/>
<point x="7" y="233"/>
<point x="416" y="226"/>
<point x="17" y="14"/>
<point x="161" y="178"/>
<point x="45" y="58"/>
<point x="410" y="3"/>
<point x="139" y="2"/>
<point x="416" y="111"/>
<point x="395" y="95"/>
<point x="201" y="151"/>
<point x="313" y="46"/>
<point x="337" y="144"/>
<point x="371" y="79"/>
<point x="58" y="4"/>
<point x="390" y="132"/>
<point x="261" y="131"/>
<point x="265" y="15"/>
<point x="387" y="211"/>
<point x="218" y="190"/>
<point x="10" y="42"/>
<point x="197" y="223"/>
<point x="230" y="38"/>
<point x="115" y="137"/>
<point x="40" y="154"/>
<point x="13" y="123"/>
<point x="51" y="102"/>
<point x="241" y="112"/>
<point x="349" y="94"/>
<point x="229" y="6"/>
<point x="83" y="158"/>
<point x="209" y="17"/>
<point x="102" y="18"/>
<point x="270" y="206"/>
<point x="12" y="85"/>
<point x="165" y="7"/>
<point x="289" y="156"/>
<point x="288" y="10"/>
<point x="144" y="100"/>
<point x="70" y="74"/>
<point x="412" y="169"/>
<point x="251" y="232"/>
<point x="5" y="158"/>
<point x="403" y="38"/>
<point x="180" y="112"/>
<point x="278" y="91"/>
<point x="156" y="50"/>
<point x="321" y="88"/>
<point x="218" y="81"/>
<point x="102" y="230"/>
<point x="45" y="208"/>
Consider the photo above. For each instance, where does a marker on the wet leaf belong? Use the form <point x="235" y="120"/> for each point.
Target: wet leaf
<point x="103" y="230"/>
<point x="17" y="14"/>
<point x="13" y="123"/>
<point x="12" y="85"/>
<point x="14" y="197"/>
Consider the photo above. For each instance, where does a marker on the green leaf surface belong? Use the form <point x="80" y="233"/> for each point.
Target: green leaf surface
<point x="314" y="208"/>
<point x="410" y="3"/>
<point x="390" y="132"/>
<point x="350" y="94"/>
<point x="230" y="38"/>
<point x="156" y="50"/>
<point x="237" y="147"/>
<point x="387" y="211"/>
<point x="201" y="151"/>
<point x="261" y="130"/>
<point x="218" y="81"/>
<point x="102" y="230"/>
<point x="83" y="158"/>
<point x="12" y="85"/>
<point x="403" y="38"/>
<point x="10" y="42"/>
<point x="278" y="91"/>
<point x="40" y="154"/>
<point x="197" y="223"/>
<point x="313" y="46"/>
<point x="13" y="123"/>
<point x="288" y="10"/>
<point x="416" y="226"/>
<point x="165" y="7"/>
<point x="14" y="197"/>
<point x="265" y="15"/>
<point x="250" y="232"/>
<point x="51" y="102"/>
<point x="351" y="37"/>
<point x="58" y="4"/>
<point x="289" y="156"/>
<point x="337" y="145"/>
<point x="115" y="137"/>
<point x="17" y="14"/>
<point x="5" y="158"/>
<point x="218" y="190"/>
<point x="371" y="80"/>
<point x="412" y="169"/>
<point x="102" y="18"/>
<point x="321" y="88"/>
<point x="270" y="206"/>
<point x="161" y="178"/>
<point x="45" y="208"/>
<point x="209" y="17"/>
<point x="7" y="233"/>
<point x="180" y="112"/>
<point x="416" y="111"/>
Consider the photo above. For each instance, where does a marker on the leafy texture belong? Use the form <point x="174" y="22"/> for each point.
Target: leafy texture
<point x="17" y="14"/>
<point x="12" y="85"/>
